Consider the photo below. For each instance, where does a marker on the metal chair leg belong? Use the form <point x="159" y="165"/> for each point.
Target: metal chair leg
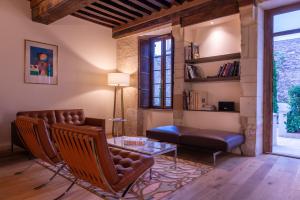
<point x="51" y="178"/>
<point x="28" y="167"/>
<point x="241" y="150"/>
<point x="67" y="190"/>
<point x="127" y="189"/>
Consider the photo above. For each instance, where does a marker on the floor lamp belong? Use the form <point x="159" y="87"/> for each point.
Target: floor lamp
<point x="119" y="81"/>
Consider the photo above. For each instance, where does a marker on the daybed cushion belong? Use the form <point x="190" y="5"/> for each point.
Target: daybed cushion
<point x="207" y="139"/>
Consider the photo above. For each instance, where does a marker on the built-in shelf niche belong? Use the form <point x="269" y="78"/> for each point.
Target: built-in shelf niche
<point x="214" y="52"/>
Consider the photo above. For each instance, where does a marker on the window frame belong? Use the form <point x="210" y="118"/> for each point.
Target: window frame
<point x="163" y="97"/>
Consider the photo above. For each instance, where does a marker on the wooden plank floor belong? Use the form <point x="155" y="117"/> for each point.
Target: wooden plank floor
<point x="266" y="177"/>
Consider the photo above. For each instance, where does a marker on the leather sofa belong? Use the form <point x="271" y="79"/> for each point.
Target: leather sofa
<point x="212" y="140"/>
<point x="73" y="116"/>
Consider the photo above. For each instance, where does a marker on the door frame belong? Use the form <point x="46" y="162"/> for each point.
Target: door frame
<point x="268" y="71"/>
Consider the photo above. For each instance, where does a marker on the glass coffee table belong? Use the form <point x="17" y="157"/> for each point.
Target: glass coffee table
<point x="143" y="145"/>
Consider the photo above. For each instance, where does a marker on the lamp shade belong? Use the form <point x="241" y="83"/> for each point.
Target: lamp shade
<point x="118" y="79"/>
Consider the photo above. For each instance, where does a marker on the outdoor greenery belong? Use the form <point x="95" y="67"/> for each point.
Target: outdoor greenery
<point x="275" y="80"/>
<point x="293" y="117"/>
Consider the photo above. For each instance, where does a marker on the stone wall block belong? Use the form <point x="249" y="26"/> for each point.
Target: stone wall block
<point x="248" y="67"/>
<point x="248" y="79"/>
<point x="248" y="106"/>
<point x="249" y="89"/>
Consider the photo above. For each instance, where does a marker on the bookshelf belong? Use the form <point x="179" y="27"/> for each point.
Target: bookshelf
<point x="213" y="111"/>
<point x="214" y="58"/>
<point x="207" y="78"/>
<point x="209" y="66"/>
<point x="216" y="79"/>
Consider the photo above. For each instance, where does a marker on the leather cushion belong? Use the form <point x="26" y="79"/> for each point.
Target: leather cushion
<point x="47" y="115"/>
<point x="165" y="133"/>
<point x="129" y="165"/>
<point x="208" y="139"/>
<point x="75" y="116"/>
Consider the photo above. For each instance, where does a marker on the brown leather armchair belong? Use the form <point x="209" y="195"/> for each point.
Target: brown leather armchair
<point x="34" y="135"/>
<point x="89" y="158"/>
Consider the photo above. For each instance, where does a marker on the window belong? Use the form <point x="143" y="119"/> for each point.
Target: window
<point x="156" y="72"/>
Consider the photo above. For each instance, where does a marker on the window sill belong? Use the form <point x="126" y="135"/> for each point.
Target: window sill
<point x="157" y="109"/>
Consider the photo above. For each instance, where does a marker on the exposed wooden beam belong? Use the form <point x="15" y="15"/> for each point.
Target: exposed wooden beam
<point x="147" y="3"/>
<point x="99" y="18"/>
<point x="156" y="19"/>
<point x="110" y="12"/>
<point x="131" y="6"/>
<point x="160" y="3"/>
<point x="246" y="2"/>
<point x="116" y="7"/>
<point x="48" y="11"/>
<point x="209" y="11"/>
<point x="105" y="14"/>
<point x="84" y="17"/>
<point x="135" y="4"/>
<point x="142" y="4"/>
<point x="190" y="12"/>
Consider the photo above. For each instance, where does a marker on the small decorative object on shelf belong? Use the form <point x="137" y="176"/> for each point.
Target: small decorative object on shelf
<point x="226" y="106"/>
<point x="195" y="100"/>
<point x="191" y="51"/>
<point x="191" y="72"/>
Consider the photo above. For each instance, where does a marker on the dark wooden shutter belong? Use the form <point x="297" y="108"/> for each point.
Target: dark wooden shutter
<point x="144" y="72"/>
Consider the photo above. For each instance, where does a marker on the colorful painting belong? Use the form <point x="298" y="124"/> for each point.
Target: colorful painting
<point x="40" y="63"/>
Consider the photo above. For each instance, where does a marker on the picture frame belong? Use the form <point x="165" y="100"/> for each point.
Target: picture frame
<point x="41" y="63"/>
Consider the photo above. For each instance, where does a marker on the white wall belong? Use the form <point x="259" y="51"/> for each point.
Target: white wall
<point x="219" y="39"/>
<point x="223" y="37"/>
<point x="86" y="53"/>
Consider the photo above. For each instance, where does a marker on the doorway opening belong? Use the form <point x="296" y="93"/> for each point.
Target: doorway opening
<point x="286" y="82"/>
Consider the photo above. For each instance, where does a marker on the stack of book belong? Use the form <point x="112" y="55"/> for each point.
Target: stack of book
<point x="191" y="72"/>
<point x="191" y="51"/>
<point x="229" y="69"/>
<point x="194" y="100"/>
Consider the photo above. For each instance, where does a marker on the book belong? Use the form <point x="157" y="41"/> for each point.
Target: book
<point x="229" y="69"/>
<point x="191" y="51"/>
<point x="191" y="72"/>
<point x="194" y="100"/>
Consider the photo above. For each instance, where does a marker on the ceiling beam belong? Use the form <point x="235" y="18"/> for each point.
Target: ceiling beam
<point x="246" y="2"/>
<point x="187" y="13"/>
<point x="111" y="11"/>
<point x="98" y="17"/>
<point x="116" y="7"/>
<point x="105" y="14"/>
<point x="49" y="11"/>
<point x="84" y="17"/>
<point x="155" y="20"/>
<point x="131" y="6"/>
<point x="209" y="11"/>
<point x="149" y="4"/>
<point x="142" y="4"/>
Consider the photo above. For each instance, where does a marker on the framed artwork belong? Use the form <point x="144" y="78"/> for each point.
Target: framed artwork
<point x="41" y="63"/>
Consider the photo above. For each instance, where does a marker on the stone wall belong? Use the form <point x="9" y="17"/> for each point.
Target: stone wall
<point x="127" y="62"/>
<point x="251" y="101"/>
<point x="287" y="59"/>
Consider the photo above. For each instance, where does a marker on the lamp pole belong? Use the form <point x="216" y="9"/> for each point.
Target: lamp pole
<point x="122" y="110"/>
